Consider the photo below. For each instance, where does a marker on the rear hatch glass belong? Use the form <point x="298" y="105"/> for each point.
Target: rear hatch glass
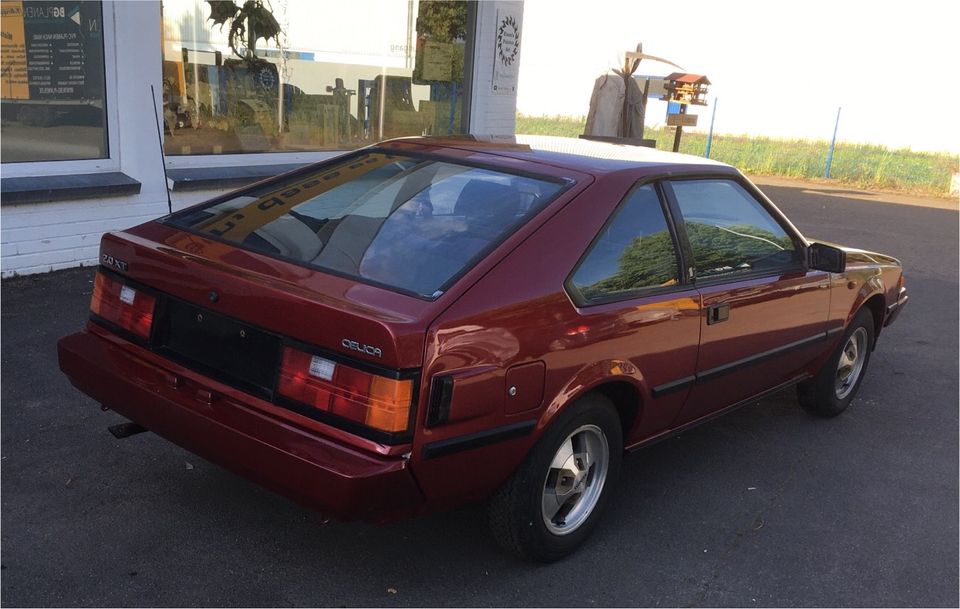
<point x="412" y="224"/>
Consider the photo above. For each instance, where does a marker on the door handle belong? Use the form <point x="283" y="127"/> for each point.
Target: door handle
<point x="718" y="313"/>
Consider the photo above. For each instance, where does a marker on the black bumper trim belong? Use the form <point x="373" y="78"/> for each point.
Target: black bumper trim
<point x="442" y="448"/>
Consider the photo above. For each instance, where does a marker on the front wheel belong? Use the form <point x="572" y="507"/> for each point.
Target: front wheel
<point x="548" y="507"/>
<point x="836" y="384"/>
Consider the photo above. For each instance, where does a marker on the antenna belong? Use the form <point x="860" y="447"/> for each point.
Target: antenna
<point x="163" y="160"/>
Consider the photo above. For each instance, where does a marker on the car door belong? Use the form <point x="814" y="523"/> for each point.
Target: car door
<point x="635" y="304"/>
<point x="763" y="314"/>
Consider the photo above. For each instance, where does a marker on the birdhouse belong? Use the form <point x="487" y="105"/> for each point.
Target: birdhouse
<point x="686" y="89"/>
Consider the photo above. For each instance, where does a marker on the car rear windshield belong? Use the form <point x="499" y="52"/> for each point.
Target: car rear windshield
<point x="409" y="223"/>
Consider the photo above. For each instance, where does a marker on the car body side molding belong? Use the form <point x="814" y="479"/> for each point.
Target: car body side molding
<point x="661" y="390"/>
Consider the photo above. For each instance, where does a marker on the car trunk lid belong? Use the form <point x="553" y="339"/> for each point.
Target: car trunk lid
<point x="235" y="290"/>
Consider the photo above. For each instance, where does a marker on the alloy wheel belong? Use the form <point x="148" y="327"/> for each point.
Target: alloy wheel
<point x="575" y="480"/>
<point x="851" y="363"/>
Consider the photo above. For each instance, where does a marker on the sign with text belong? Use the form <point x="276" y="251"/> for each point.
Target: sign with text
<point x="682" y="120"/>
<point x="437" y="62"/>
<point x="51" y="50"/>
<point x="506" y="58"/>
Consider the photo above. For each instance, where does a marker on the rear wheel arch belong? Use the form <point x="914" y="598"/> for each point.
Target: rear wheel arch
<point x="625" y="397"/>
<point x="625" y="392"/>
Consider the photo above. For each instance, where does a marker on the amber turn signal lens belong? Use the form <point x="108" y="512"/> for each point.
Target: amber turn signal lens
<point x="389" y="404"/>
<point x="369" y="399"/>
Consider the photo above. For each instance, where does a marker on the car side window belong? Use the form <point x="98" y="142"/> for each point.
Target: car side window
<point x="634" y="251"/>
<point x="730" y="232"/>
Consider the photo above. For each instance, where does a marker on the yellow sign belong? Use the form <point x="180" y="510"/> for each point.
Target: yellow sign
<point x="238" y="225"/>
<point x="13" y="52"/>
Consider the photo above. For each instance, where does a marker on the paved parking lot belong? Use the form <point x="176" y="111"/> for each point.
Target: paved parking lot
<point x="767" y="506"/>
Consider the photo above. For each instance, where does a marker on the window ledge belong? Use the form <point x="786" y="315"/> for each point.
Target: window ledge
<point x="45" y="189"/>
<point x="218" y="178"/>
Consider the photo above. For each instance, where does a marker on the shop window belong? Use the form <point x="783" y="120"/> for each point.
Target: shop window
<point x="311" y="76"/>
<point x="52" y="97"/>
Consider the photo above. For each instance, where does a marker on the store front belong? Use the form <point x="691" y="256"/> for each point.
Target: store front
<point x="113" y="112"/>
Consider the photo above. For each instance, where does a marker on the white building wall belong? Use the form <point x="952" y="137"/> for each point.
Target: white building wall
<point x="40" y="237"/>
<point x="491" y="114"/>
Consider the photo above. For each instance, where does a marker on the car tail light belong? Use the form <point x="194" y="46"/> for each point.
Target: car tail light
<point x="122" y="305"/>
<point x="370" y="399"/>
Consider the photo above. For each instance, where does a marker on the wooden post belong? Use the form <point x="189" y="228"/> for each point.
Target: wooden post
<point x="643" y="107"/>
<point x="679" y="132"/>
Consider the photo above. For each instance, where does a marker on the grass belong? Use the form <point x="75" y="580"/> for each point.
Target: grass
<point x="862" y="165"/>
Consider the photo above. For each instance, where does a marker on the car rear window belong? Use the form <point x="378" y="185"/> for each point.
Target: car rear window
<point x="409" y="223"/>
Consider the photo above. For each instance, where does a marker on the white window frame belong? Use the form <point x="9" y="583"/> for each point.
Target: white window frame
<point x="85" y="166"/>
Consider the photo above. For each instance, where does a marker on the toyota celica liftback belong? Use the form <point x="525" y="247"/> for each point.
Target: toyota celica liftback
<point x="426" y="323"/>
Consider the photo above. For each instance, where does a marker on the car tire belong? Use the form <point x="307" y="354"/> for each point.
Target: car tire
<point x="552" y="502"/>
<point x="836" y="384"/>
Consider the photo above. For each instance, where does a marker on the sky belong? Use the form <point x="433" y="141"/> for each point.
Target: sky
<point x="778" y="69"/>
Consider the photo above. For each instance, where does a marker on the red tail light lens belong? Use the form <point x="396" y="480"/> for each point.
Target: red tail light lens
<point x="372" y="400"/>
<point x="123" y="305"/>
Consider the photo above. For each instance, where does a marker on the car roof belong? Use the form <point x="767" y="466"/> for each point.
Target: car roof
<point x="569" y="153"/>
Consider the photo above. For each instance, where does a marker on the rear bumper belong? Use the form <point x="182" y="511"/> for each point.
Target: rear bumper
<point x="894" y="309"/>
<point x="187" y="409"/>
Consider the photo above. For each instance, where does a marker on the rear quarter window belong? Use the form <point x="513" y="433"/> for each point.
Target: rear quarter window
<point x="634" y="252"/>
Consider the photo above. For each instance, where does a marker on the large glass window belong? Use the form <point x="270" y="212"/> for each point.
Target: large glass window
<point x="275" y="75"/>
<point x="401" y="221"/>
<point x="729" y="230"/>
<point x="634" y="251"/>
<point x="52" y="98"/>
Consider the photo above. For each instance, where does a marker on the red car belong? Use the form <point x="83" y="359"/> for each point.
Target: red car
<point x="429" y="322"/>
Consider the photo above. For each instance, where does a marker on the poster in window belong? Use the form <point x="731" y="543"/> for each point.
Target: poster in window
<point x="437" y="61"/>
<point x="13" y="51"/>
<point x="52" y="50"/>
<point x="506" y="58"/>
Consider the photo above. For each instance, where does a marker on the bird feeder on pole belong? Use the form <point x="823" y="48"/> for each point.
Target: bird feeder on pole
<point x="683" y="90"/>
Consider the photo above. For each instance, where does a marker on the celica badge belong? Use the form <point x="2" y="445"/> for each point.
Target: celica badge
<point x="365" y="349"/>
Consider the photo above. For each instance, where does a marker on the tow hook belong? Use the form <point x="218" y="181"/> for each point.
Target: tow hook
<point x="125" y="430"/>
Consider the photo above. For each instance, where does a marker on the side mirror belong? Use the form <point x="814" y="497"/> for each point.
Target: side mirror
<point x="821" y="257"/>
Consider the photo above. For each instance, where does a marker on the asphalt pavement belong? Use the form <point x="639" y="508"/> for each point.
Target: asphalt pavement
<point x="764" y="507"/>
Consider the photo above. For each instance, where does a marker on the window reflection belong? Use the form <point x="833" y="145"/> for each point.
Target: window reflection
<point x="335" y="76"/>
<point x="402" y="221"/>
<point x="729" y="230"/>
<point x="51" y="81"/>
<point x="635" y="251"/>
